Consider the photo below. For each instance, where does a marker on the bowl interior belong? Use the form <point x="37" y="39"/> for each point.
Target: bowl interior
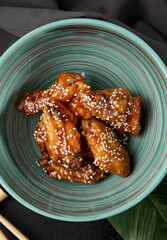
<point x="110" y="57"/>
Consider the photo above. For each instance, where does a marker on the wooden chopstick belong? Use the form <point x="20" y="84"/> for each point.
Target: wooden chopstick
<point x="2" y="236"/>
<point x="7" y="224"/>
<point x="12" y="228"/>
<point x="3" y="195"/>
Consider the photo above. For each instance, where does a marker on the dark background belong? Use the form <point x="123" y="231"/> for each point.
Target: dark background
<point x="146" y="18"/>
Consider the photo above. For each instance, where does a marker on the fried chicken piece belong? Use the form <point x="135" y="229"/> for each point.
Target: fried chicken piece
<point x="67" y="86"/>
<point x="120" y="110"/>
<point x="108" y="152"/>
<point x="87" y="173"/>
<point x="62" y="139"/>
<point x="115" y="106"/>
<point x="40" y="136"/>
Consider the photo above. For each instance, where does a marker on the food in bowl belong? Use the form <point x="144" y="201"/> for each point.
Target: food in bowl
<point x="71" y="110"/>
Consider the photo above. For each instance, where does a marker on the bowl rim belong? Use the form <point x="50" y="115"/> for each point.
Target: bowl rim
<point x="103" y="25"/>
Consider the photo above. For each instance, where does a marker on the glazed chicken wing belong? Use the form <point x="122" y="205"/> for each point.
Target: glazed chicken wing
<point x="120" y="110"/>
<point x="67" y="86"/>
<point x="62" y="139"/>
<point x="115" y="106"/>
<point x="108" y="152"/>
<point x="87" y="173"/>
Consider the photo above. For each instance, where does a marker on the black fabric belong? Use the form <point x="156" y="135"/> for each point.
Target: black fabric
<point x="37" y="227"/>
<point x="146" y="18"/>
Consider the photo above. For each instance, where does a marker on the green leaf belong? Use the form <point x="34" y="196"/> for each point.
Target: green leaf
<point x="147" y="220"/>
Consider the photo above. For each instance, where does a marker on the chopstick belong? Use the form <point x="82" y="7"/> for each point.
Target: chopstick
<point x="3" y="195"/>
<point x="12" y="228"/>
<point x="9" y="225"/>
<point x="2" y="236"/>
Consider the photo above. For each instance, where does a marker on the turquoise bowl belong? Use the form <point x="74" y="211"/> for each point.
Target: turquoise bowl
<point x="110" y="56"/>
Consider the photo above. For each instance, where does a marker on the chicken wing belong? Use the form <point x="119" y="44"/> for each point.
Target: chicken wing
<point x="66" y="87"/>
<point x="108" y="152"/>
<point x="120" y="110"/>
<point x="115" y="106"/>
<point x="59" y="131"/>
<point x="87" y="173"/>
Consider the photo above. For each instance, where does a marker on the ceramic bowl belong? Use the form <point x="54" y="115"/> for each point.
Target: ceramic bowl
<point x="110" y="56"/>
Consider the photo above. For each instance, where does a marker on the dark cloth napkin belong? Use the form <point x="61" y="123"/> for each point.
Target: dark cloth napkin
<point x="146" y="18"/>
